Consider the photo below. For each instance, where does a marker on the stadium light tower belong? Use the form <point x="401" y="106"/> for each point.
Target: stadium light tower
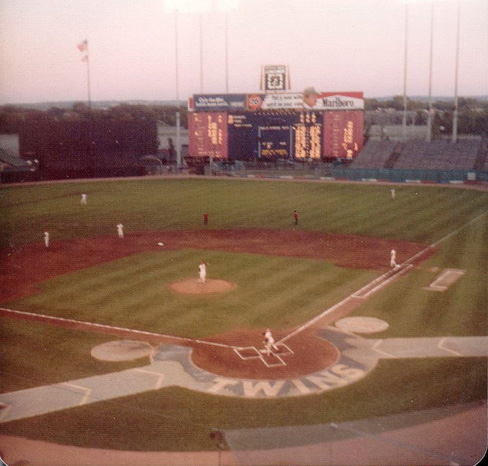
<point x="404" y="120"/>
<point x="455" y="115"/>
<point x="429" y="108"/>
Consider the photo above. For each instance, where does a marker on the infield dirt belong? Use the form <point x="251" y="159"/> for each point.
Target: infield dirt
<point x="20" y="278"/>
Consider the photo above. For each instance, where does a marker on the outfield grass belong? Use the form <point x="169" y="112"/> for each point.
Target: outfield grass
<point x="419" y="213"/>
<point x="279" y="292"/>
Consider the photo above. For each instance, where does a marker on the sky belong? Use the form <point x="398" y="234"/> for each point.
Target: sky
<point x="148" y="50"/>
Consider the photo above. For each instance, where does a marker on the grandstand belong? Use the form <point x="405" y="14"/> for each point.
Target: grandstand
<point x="440" y="154"/>
<point x="376" y="154"/>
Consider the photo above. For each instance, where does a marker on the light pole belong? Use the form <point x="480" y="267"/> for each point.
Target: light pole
<point x="429" y="110"/>
<point x="455" y="116"/>
<point x="201" y="53"/>
<point x="404" y="122"/>
<point x="226" y="53"/>
<point x="178" y="118"/>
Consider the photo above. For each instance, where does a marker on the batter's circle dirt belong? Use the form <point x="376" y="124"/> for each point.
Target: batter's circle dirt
<point x="309" y="354"/>
<point x="193" y="286"/>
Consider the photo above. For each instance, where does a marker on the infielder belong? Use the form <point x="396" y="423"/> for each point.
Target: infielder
<point x="83" y="199"/>
<point x="120" y="230"/>
<point x="46" y="238"/>
<point x="269" y="342"/>
<point x="295" y="216"/>
<point x="393" y="263"/>
<point x="202" y="272"/>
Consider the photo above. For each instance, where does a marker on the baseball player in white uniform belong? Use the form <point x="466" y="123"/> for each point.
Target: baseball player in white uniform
<point x="393" y="263"/>
<point x="120" y="230"/>
<point x="393" y="194"/>
<point x="83" y="199"/>
<point x="269" y="342"/>
<point x="46" y="238"/>
<point x="202" y="272"/>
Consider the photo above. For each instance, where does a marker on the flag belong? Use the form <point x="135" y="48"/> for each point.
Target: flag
<point x="82" y="46"/>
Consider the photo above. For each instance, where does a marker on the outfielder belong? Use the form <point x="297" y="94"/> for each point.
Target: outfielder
<point x="120" y="230"/>
<point x="393" y="259"/>
<point x="83" y="199"/>
<point x="269" y="342"/>
<point x="202" y="271"/>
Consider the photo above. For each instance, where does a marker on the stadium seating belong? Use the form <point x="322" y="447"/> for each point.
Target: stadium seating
<point x="375" y="154"/>
<point x="441" y="154"/>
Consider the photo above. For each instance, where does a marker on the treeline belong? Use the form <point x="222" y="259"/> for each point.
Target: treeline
<point x="12" y="117"/>
<point x="472" y="113"/>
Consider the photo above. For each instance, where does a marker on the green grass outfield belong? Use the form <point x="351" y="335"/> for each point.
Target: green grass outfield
<point x="279" y="292"/>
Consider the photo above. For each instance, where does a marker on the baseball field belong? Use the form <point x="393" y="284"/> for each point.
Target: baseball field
<point x="90" y="288"/>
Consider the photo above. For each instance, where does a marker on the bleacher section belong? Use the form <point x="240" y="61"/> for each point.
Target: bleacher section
<point x="375" y="154"/>
<point x="439" y="155"/>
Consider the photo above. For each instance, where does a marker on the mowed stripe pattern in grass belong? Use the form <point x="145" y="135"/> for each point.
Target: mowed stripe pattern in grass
<point x="418" y="213"/>
<point x="133" y="292"/>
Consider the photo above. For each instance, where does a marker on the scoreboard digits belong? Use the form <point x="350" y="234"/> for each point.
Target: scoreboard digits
<point x="308" y="137"/>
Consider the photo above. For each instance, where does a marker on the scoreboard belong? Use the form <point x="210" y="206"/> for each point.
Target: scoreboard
<point x="275" y="135"/>
<point x="208" y="135"/>
<point x="275" y="126"/>
<point x="343" y="134"/>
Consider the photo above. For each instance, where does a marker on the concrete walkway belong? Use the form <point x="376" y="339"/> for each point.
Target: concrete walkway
<point x="451" y="436"/>
<point x="171" y="366"/>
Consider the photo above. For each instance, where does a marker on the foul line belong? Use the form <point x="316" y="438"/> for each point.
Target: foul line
<point x="40" y="317"/>
<point x="399" y="271"/>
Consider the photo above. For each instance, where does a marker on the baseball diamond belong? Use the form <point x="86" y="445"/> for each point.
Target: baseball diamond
<point x="145" y="326"/>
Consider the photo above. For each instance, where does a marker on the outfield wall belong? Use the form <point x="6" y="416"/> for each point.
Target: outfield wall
<point x="396" y="175"/>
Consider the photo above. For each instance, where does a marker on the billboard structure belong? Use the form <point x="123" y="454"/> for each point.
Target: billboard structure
<point x="308" y="126"/>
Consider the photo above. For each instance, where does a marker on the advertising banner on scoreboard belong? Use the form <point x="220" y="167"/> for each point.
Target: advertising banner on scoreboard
<point x="281" y="101"/>
<point x="217" y="102"/>
<point x="343" y="134"/>
<point x="207" y="135"/>
<point x="310" y="100"/>
<point x="307" y="100"/>
<point x="327" y="101"/>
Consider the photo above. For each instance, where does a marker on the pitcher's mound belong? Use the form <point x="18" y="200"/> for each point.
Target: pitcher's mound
<point x="194" y="286"/>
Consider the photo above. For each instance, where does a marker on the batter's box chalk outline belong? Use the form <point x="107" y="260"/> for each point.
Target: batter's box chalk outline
<point x="248" y="352"/>
<point x="273" y="361"/>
